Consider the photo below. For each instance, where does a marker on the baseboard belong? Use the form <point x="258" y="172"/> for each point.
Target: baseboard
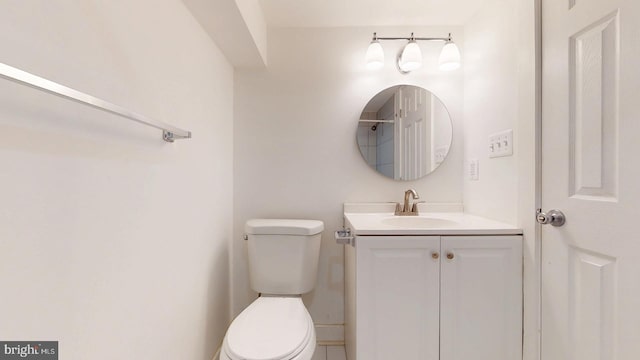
<point x="330" y="334"/>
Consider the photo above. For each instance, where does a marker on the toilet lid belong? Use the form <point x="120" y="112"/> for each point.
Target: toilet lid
<point x="270" y="328"/>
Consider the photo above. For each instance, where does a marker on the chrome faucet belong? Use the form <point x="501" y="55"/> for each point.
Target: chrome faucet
<point x="406" y="209"/>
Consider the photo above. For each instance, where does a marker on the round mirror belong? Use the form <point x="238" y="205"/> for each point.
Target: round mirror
<point x="404" y="132"/>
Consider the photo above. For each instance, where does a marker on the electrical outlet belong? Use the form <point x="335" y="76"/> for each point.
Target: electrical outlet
<point x="473" y="169"/>
<point x="501" y="144"/>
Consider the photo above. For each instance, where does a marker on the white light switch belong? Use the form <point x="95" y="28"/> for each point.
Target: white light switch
<point x="473" y="169"/>
<point x="501" y="144"/>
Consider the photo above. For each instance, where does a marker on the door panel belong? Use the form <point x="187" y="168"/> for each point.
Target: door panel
<point x="590" y="124"/>
<point x="593" y="71"/>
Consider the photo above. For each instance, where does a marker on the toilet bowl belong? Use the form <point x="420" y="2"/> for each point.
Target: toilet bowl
<point x="271" y="328"/>
<point x="283" y="264"/>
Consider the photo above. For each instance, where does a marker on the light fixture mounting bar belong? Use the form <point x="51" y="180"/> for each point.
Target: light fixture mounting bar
<point x="415" y="38"/>
<point x="409" y="38"/>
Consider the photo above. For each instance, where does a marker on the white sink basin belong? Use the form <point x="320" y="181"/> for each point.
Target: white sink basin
<point x="419" y="222"/>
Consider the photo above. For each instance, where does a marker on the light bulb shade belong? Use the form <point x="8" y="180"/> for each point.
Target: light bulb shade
<point x="375" y="55"/>
<point x="449" y="57"/>
<point x="411" y="58"/>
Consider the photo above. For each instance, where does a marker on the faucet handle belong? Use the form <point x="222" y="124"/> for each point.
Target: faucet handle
<point x="414" y="207"/>
<point x="398" y="209"/>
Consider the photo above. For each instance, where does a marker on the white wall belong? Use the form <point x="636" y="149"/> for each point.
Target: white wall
<point x="295" y="148"/>
<point x="500" y="94"/>
<point x="490" y="106"/>
<point x="111" y="241"/>
<point x="237" y="27"/>
<point x="256" y="24"/>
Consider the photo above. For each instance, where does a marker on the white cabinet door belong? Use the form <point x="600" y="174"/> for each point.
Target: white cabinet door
<point x="481" y="298"/>
<point x="397" y="297"/>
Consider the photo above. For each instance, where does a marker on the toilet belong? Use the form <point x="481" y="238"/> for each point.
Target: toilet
<point x="283" y="264"/>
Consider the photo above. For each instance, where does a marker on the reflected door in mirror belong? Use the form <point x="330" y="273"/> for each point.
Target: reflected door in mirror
<point x="404" y="132"/>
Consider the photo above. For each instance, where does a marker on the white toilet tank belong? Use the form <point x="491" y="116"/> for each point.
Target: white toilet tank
<point x="283" y="255"/>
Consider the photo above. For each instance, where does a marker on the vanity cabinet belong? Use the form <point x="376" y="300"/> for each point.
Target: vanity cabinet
<point x="434" y="297"/>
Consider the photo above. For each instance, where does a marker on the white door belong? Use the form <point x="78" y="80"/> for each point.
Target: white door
<point x="590" y="131"/>
<point x="398" y="289"/>
<point x="481" y="298"/>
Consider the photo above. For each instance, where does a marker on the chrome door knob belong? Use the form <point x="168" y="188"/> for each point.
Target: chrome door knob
<point x="552" y="217"/>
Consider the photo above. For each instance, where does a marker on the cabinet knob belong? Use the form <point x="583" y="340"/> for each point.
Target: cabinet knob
<point x="450" y="256"/>
<point x="435" y="255"/>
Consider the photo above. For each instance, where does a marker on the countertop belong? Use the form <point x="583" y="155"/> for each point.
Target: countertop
<point x="442" y="219"/>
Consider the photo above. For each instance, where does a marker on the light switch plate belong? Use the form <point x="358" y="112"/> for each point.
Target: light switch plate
<point x="501" y="144"/>
<point x="440" y="154"/>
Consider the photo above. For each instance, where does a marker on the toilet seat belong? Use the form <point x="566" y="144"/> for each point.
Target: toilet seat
<point x="271" y="328"/>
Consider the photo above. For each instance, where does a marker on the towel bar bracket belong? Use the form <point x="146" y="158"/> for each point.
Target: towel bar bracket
<point x="167" y="136"/>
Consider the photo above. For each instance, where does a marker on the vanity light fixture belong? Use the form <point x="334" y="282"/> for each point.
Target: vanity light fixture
<point x="375" y="54"/>
<point x="410" y="57"/>
<point x="449" y="57"/>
